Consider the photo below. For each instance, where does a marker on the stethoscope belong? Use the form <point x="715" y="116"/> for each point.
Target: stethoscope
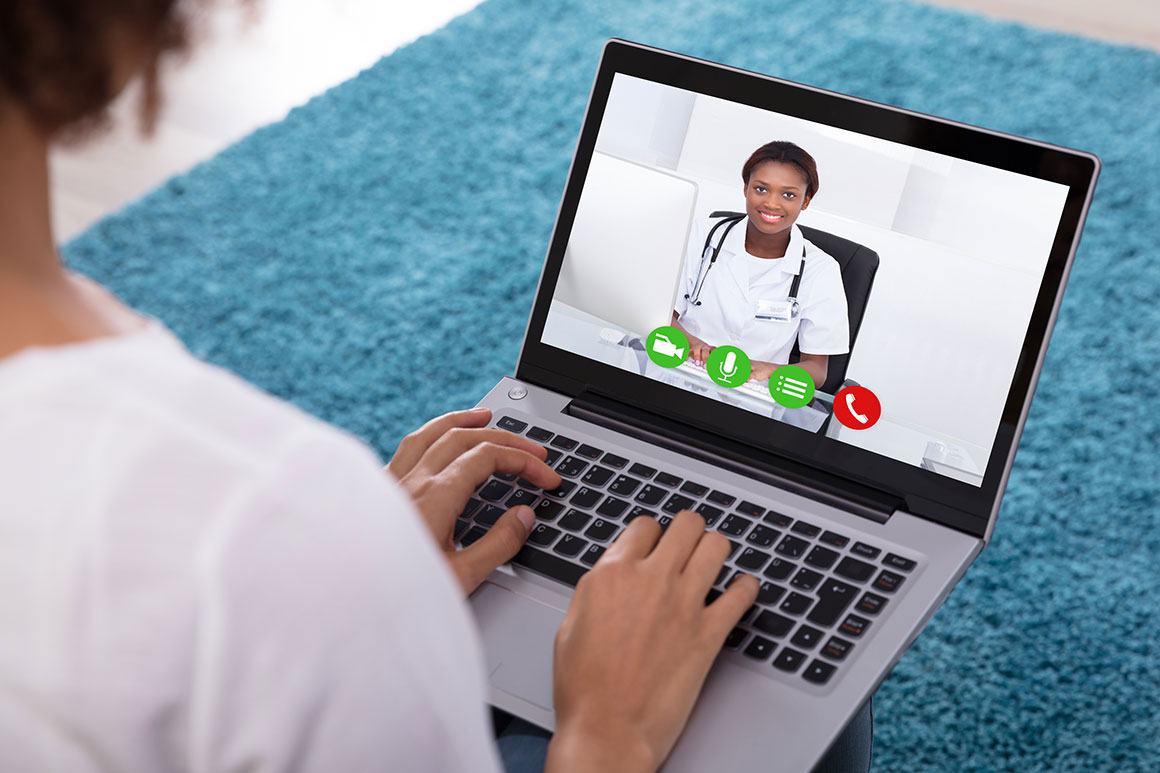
<point x="782" y="311"/>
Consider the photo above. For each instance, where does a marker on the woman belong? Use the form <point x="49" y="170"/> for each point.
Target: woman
<point x="199" y="577"/>
<point x="745" y="297"/>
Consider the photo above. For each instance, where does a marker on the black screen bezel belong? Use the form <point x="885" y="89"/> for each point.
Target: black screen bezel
<point x="925" y="493"/>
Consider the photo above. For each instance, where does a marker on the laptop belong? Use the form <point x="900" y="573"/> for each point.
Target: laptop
<point x="954" y="244"/>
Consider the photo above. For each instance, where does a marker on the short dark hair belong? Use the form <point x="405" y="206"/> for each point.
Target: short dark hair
<point x="785" y="153"/>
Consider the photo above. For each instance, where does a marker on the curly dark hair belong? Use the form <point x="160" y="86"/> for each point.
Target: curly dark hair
<point x="786" y="153"/>
<point x="59" y="58"/>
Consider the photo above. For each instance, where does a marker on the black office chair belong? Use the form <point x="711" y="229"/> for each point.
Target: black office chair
<point x="859" y="264"/>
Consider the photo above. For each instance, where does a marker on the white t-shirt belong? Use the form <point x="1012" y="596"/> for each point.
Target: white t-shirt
<point x="195" y="576"/>
<point x="730" y="291"/>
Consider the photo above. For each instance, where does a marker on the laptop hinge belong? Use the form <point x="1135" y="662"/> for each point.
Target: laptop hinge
<point x="732" y="455"/>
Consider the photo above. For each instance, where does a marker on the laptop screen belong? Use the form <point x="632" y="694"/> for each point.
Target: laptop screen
<point x="858" y="288"/>
<point x="943" y="263"/>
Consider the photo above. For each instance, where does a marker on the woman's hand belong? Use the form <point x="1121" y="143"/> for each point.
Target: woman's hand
<point x="698" y="349"/>
<point x="442" y="462"/>
<point x="761" y="371"/>
<point x="637" y="643"/>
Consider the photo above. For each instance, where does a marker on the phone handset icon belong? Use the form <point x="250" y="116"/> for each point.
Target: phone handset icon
<point x="861" y="417"/>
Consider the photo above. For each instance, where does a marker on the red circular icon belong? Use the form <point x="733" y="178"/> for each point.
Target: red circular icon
<point x="857" y="407"/>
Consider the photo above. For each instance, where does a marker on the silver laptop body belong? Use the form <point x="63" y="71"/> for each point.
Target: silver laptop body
<point x="810" y="503"/>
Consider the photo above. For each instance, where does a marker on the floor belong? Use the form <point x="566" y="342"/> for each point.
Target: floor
<point x="247" y="72"/>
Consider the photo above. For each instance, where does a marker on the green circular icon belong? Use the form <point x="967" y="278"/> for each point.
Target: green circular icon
<point x="728" y="366"/>
<point x="791" y="386"/>
<point x="667" y="346"/>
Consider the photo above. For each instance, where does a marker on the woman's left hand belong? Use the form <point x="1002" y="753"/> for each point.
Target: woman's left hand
<point x="761" y="371"/>
<point x="442" y="462"/>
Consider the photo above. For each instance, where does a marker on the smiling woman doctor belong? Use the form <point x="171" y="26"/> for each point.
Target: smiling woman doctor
<point x="742" y="286"/>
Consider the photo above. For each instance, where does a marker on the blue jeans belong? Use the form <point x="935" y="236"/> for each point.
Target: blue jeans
<point x="523" y="747"/>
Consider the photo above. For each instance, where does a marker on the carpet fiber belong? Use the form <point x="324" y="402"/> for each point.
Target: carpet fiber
<point x="373" y="257"/>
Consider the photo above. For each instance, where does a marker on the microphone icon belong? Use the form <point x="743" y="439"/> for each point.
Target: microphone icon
<point x="729" y="366"/>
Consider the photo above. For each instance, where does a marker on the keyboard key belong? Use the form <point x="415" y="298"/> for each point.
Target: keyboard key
<point x="586" y="497"/>
<point x="571" y="467"/>
<point x="712" y="596"/>
<point x="552" y="457"/>
<point x="543" y="535"/>
<point x="574" y="520"/>
<point x="597" y="476"/>
<point x="795" y="604"/>
<point x="734" y="525"/>
<point x="760" y="648"/>
<point x="549" y="565"/>
<point x="710" y="513"/>
<point x="566" y="443"/>
<point x="835" y="539"/>
<point x="540" y="435"/>
<point x="668" y="479"/>
<point x="837" y="649"/>
<point x="854" y="626"/>
<point x="762" y="536"/>
<point x="806" y="579"/>
<point x="664" y="521"/>
<point x="651" y="495"/>
<point x="773" y="624"/>
<point x="807" y="637"/>
<point x="695" y="489"/>
<point x="461" y="527"/>
<point x="721" y="575"/>
<point x="521" y="497"/>
<point x="511" y="425"/>
<point x="547" y="510"/>
<point x="818" y="672"/>
<point x="769" y="593"/>
<point x="834" y="596"/>
<point x="751" y="509"/>
<point x="735" y="637"/>
<point x="489" y="515"/>
<point x="752" y="560"/>
<point x="612" y="460"/>
<point x="642" y="470"/>
<point x="495" y="490"/>
<point x="778" y="520"/>
<point x="593" y="554"/>
<point x="528" y="484"/>
<point x="623" y="486"/>
<point x="589" y="452"/>
<point x="504" y="475"/>
<point x="469" y="508"/>
<point x="887" y="581"/>
<point x="779" y="569"/>
<point x="570" y="545"/>
<point x="789" y="660"/>
<point x="612" y="507"/>
<point x="721" y="498"/>
<point x="871" y="603"/>
<point x="895" y="561"/>
<point x="864" y="550"/>
<point x="564" y="489"/>
<point x="733" y="546"/>
<point x="601" y="530"/>
<point x="792" y="546"/>
<point x="678" y="502"/>
<point x="472" y="535"/>
<point x="806" y="529"/>
<point x="822" y="558"/>
<point x="637" y="512"/>
<point x="852" y="568"/>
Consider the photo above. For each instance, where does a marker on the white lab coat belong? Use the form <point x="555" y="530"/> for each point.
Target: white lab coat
<point x="732" y="289"/>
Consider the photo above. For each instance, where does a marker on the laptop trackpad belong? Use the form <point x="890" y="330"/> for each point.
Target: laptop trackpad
<point x="518" y="637"/>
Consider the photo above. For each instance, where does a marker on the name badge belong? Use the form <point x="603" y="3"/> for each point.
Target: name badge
<point x="778" y="311"/>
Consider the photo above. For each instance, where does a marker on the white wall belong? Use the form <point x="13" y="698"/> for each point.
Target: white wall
<point x="962" y="246"/>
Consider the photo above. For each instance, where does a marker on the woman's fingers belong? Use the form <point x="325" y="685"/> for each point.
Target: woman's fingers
<point x="680" y="539"/>
<point x="458" y="441"/>
<point x="473" y="564"/>
<point x="723" y="614"/>
<point x="459" y="478"/>
<point x="705" y="563"/>
<point x="414" y="445"/>
<point x="636" y="541"/>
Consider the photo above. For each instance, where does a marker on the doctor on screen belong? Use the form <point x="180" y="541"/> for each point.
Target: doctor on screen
<point x="758" y="284"/>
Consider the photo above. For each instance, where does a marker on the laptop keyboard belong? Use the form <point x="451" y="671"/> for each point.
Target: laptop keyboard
<point x="821" y="590"/>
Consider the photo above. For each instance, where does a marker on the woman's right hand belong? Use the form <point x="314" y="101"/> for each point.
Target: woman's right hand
<point x="698" y="350"/>
<point x="637" y="643"/>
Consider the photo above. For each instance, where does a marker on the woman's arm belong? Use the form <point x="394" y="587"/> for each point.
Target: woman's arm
<point x="698" y="349"/>
<point x="817" y="365"/>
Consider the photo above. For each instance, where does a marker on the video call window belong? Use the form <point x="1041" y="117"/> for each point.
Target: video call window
<point x="956" y="252"/>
